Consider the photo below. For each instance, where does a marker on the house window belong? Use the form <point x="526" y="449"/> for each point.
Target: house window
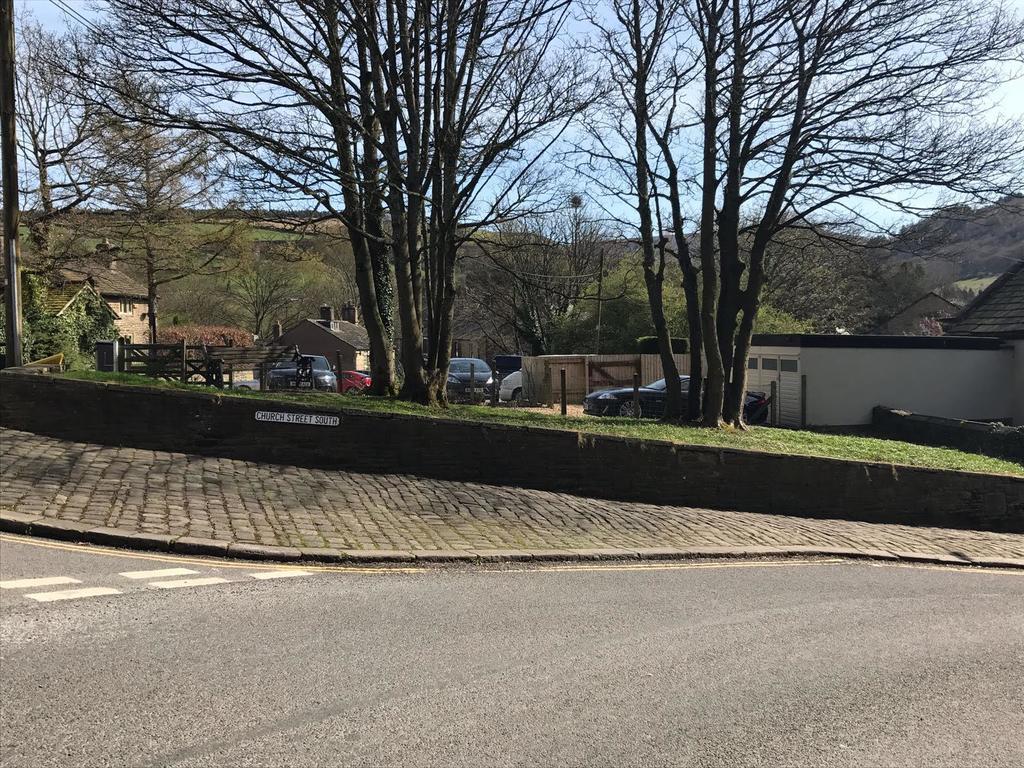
<point x="770" y="364"/>
<point x="788" y="365"/>
<point x="752" y="363"/>
<point x="127" y="306"/>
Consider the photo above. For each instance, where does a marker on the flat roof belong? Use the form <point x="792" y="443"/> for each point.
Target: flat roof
<point x="866" y="341"/>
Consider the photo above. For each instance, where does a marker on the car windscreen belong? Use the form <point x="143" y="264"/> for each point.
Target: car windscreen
<point x="659" y="385"/>
<point x="480" y="368"/>
<point x="320" y="364"/>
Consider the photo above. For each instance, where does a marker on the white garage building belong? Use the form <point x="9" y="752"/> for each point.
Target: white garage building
<point x="824" y="380"/>
<point x="976" y="372"/>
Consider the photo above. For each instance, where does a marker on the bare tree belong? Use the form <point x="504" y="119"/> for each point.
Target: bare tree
<point x="261" y="291"/>
<point x="530" y="274"/>
<point x="468" y="97"/>
<point x="161" y="189"/>
<point x="414" y="123"/>
<point x="649" y="70"/>
<point x="818" y="111"/>
<point x="63" y="161"/>
<point x="276" y="84"/>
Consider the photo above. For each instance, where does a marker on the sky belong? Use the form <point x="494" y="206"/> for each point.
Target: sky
<point x="1008" y="100"/>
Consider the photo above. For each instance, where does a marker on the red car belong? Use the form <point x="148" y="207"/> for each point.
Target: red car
<point x="353" y="381"/>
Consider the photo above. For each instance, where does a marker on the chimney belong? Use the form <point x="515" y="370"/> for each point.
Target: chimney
<point x="108" y="252"/>
<point x="348" y="314"/>
<point x="326" y="315"/>
<point x="278" y="330"/>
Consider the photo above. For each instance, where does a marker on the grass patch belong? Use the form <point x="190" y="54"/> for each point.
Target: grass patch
<point x="767" y="439"/>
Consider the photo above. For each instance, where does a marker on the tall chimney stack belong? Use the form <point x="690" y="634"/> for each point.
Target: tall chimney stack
<point x="348" y="314"/>
<point x="278" y="330"/>
<point x="326" y="315"/>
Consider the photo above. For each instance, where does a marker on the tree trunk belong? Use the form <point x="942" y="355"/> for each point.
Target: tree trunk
<point x="360" y="192"/>
<point x="696" y="384"/>
<point x="673" y="387"/>
<point x="750" y="303"/>
<point x="414" y="384"/>
<point x="654" y="266"/>
<point x="152" y="298"/>
<point x="382" y="352"/>
<point x="732" y="411"/>
<point x="714" y="397"/>
<point x="691" y="290"/>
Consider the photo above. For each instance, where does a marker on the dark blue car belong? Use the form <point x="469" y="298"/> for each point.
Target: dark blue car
<point x="619" y="402"/>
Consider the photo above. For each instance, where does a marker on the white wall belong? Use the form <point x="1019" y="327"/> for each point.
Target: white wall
<point x="1018" y="383"/>
<point x="844" y="384"/>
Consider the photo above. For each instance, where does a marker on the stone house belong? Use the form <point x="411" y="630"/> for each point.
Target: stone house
<point x="910" y="320"/>
<point x="340" y="339"/>
<point x="122" y="295"/>
<point x="125" y="296"/>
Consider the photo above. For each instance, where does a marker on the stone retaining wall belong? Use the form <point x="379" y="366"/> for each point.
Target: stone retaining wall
<point x="980" y="437"/>
<point x="589" y="465"/>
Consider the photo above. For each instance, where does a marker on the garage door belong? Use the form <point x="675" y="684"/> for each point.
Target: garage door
<point x="784" y="371"/>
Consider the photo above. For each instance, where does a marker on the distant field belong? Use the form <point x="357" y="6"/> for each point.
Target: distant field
<point x="976" y="284"/>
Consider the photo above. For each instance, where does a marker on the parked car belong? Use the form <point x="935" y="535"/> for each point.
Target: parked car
<point x="511" y="389"/>
<point x="354" y="381"/>
<point x="458" y="378"/>
<point x="619" y="402"/>
<point x="302" y="372"/>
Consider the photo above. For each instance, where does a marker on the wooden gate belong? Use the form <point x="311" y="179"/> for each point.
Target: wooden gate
<point x="587" y="373"/>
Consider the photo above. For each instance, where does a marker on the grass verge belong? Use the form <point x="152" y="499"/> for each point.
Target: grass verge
<point x="767" y="439"/>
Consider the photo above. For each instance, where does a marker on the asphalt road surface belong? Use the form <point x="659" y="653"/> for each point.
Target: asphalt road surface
<point x="725" y="664"/>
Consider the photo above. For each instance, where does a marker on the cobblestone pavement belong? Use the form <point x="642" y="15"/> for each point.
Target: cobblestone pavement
<point x="225" y="499"/>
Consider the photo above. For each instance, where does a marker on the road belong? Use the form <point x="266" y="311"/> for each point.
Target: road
<point x="722" y="664"/>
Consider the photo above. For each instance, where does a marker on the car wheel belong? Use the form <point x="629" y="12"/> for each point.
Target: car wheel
<point x="629" y="411"/>
<point x="517" y="396"/>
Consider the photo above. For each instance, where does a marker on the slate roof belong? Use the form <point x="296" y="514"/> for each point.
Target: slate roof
<point x="108" y="280"/>
<point x="352" y="334"/>
<point x="997" y="311"/>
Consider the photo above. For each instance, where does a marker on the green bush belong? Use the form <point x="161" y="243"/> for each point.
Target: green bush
<point x="73" y="332"/>
<point x="648" y="345"/>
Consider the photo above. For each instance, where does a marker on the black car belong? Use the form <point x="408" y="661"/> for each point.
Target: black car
<point x="458" y="378"/>
<point x="302" y="372"/>
<point x="619" y="402"/>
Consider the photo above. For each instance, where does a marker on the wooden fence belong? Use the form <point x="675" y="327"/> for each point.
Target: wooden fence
<point x="212" y="365"/>
<point x="587" y="373"/>
<point x="164" y="361"/>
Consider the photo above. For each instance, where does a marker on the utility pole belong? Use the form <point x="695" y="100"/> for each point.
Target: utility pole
<point x="600" y="300"/>
<point x="9" y="159"/>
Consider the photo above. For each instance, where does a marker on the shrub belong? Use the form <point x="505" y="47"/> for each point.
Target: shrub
<point x="74" y="332"/>
<point x="648" y="345"/>
<point x="213" y="335"/>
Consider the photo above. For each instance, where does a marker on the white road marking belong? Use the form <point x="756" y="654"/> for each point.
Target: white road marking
<point x="188" y="582"/>
<point x="279" y="574"/>
<point x="159" y="573"/>
<point x="46" y="581"/>
<point x="72" y="594"/>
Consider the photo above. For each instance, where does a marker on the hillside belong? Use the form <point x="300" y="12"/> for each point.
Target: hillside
<point x="964" y="244"/>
